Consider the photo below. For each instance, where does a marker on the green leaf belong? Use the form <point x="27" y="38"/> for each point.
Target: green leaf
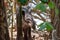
<point x="23" y="2"/>
<point x="56" y="11"/>
<point x="44" y="1"/>
<point x="41" y="7"/>
<point x="49" y="27"/>
<point x="42" y="26"/>
<point x="51" y="5"/>
<point x="46" y="25"/>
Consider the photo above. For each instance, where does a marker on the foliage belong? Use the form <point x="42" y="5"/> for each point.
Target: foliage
<point x="23" y="2"/>
<point x="44" y="1"/>
<point x="41" y="7"/>
<point x="51" y="5"/>
<point x="46" y="25"/>
<point x="56" y="11"/>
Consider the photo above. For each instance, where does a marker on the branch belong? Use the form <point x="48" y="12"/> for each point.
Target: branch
<point x="38" y="13"/>
<point x="36" y="17"/>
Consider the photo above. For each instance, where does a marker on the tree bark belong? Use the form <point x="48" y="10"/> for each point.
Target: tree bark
<point x="19" y="24"/>
<point x="4" y="35"/>
<point x="57" y="21"/>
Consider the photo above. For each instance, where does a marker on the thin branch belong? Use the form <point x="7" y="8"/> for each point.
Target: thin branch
<point x="36" y="17"/>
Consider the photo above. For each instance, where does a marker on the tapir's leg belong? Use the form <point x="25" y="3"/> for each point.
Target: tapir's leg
<point x="25" y="34"/>
<point x="29" y="32"/>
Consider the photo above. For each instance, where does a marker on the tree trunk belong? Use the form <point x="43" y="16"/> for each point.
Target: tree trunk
<point x="19" y="24"/>
<point x="4" y="35"/>
<point x="57" y="21"/>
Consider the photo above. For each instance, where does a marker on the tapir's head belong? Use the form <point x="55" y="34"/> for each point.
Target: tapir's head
<point x="27" y="17"/>
<point x="26" y="14"/>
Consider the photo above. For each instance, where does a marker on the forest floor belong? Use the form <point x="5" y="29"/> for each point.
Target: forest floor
<point x="36" y="35"/>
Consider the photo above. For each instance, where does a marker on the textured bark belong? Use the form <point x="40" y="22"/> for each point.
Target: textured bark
<point x="4" y="35"/>
<point x="58" y="25"/>
<point x="19" y="24"/>
<point x="56" y="21"/>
